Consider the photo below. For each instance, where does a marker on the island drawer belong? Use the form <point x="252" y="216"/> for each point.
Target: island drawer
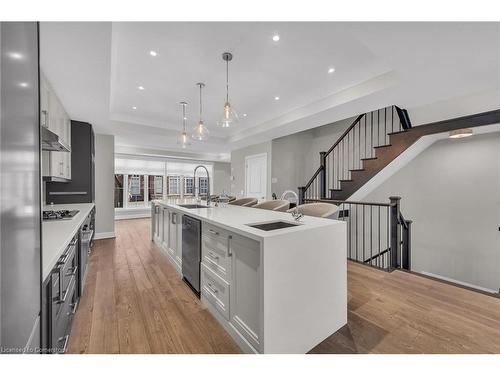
<point x="215" y="255"/>
<point x="216" y="290"/>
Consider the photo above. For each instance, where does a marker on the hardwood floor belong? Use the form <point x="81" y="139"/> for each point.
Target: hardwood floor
<point x="135" y="302"/>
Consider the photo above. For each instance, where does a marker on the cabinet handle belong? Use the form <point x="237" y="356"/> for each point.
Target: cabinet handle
<point x="66" y="339"/>
<point x="73" y="311"/>
<point x="45" y="115"/>
<point x="229" y="252"/>
<point x="213" y="256"/>
<point x="174" y="218"/>
<point x="63" y="299"/>
<point x="212" y="289"/>
<point x="213" y="232"/>
<point x="73" y="272"/>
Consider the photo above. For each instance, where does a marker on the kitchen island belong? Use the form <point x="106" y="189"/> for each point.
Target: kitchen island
<point x="274" y="291"/>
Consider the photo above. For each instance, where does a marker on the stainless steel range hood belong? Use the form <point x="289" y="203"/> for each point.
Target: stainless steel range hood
<point x="52" y="142"/>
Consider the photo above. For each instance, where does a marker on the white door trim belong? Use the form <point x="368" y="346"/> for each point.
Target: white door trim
<point x="264" y="154"/>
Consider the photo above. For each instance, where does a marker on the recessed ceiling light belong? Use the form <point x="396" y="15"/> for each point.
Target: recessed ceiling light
<point x="153" y="53"/>
<point x="331" y="70"/>
<point x="244" y="115"/>
<point x="276" y="98"/>
<point x="134" y="107"/>
<point x="23" y="84"/>
<point x="185" y="118"/>
<point x="15" y="55"/>
<point x="141" y="87"/>
<point x="276" y="37"/>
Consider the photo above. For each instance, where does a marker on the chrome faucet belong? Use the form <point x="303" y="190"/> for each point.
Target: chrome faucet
<point x="208" y="183"/>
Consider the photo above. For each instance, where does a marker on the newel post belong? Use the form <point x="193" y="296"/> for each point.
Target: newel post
<point x="322" y="175"/>
<point x="395" y="233"/>
<point x="302" y="190"/>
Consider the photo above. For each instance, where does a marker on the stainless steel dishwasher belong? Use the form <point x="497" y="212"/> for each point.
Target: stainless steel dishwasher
<point x="191" y="251"/>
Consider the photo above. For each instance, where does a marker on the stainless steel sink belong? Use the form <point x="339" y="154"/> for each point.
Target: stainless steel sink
<point x="192" y="206"/>
<point x="273" y="225"/>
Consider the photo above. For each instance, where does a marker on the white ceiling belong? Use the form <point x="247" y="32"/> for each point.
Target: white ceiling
<point x="96" y="69"/>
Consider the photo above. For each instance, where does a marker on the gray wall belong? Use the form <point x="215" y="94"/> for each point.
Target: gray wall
<point x="104" y="185"/>
<point x="295" y="157"/>
<point x="452" y="193"/>
<point x="222" y="178"/>
<point x="238" y="167"/>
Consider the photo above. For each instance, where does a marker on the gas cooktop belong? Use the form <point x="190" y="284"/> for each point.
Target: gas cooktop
<point x="59" y="215"/>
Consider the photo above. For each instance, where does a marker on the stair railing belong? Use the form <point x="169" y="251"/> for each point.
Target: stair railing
<point x="358" y="142"/>
<point x="377" y="233"/>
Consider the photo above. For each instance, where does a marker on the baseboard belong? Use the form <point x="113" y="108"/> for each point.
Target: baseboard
<point x="103" y="235"/>
<point x="453" y="281"/>
<point x="132" y="216"/>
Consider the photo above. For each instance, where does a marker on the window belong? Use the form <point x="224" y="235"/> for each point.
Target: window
<point x="118" y="190"/>
<point x="135" y="190"/>
<point x="188" y="186"/>
<point x="174" y="185"/>
<point x="203" y="185"/>
<point x="155" y="187"/>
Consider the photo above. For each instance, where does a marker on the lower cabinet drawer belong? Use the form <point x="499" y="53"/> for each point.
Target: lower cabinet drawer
<point x="215" y="256"/>
<point x="215" y="289"/>
<point x="61" y="326"/>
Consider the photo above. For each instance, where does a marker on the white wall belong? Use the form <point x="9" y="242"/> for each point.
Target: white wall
<point x="295" y="157"/>
<point x="238" y="167"/>
<point x="451" y="191"/>
<point x="104" y="185"/>
<point x="221" y="178"/>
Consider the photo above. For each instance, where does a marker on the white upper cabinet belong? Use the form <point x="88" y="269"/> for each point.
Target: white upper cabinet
<point x="56" y="164"/>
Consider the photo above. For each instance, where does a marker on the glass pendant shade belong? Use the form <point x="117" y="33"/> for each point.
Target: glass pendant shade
<point x="200" y="131"/>
<point x="183" y="139"/>
<point x="229" y="116"/>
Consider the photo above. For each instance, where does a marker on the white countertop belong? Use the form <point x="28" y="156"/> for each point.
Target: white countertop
<point x="236" y="218"/>
<point x="57" y="234"/>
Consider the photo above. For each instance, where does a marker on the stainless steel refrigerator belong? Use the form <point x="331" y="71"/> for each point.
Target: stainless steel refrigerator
<point x="20" y="188"/>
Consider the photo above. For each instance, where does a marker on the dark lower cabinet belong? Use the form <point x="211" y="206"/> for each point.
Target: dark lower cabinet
<point x="62" y="289"/>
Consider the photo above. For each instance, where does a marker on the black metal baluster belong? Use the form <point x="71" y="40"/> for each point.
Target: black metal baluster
<point x="385" y="124"/>
<point x="349" y="224"/>
<point x="378" y="257"/>
<point x="371" y="235"/>
<point x="392" y="119"/>
<point x="356" y="233"/>
<point x="371" y="137"/>
<point x="387" y="239"/>
<point x="364" y="256"/>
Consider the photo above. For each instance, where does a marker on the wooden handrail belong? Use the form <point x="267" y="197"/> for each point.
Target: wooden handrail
<point x="345" y="133"/>
<point x="313" y="177"/>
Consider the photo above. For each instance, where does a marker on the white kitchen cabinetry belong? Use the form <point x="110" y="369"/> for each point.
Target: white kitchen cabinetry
<point x="55" y="164"/>
<point x="245" y="295"/>
<point x="281" y="291"/>
<point x="172" y="225"/>
<point x="230" y="279"/>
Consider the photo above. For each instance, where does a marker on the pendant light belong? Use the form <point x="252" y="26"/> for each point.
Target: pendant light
<point x="200" y="132"/>
<point x="183" y="139"/>
<point x="229" y="116"/>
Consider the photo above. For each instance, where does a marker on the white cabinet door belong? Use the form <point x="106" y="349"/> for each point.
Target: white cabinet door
<point x="164" y="226"/>
<point x="44" y="103"/>
<point x="172" y="233"/>
<point x="178" y="249"/>
<point x="244" y="302"/>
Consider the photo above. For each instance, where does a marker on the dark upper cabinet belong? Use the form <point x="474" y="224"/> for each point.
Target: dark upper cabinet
<point x="81" y="188"/>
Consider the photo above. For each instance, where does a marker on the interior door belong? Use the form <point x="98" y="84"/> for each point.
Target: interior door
<point x="256" y="176"/>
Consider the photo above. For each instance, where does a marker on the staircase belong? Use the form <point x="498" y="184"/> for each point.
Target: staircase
<point x="369" y="144"/>
<point x="378" y="235"/>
